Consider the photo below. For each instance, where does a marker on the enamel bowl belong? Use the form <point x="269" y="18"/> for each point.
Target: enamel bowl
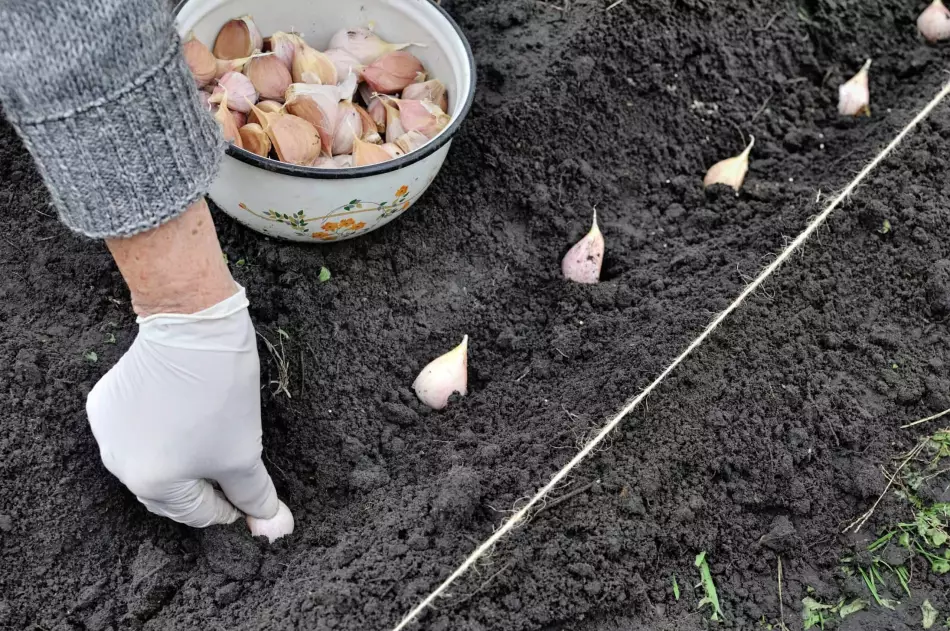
<point x="320" y="205"/>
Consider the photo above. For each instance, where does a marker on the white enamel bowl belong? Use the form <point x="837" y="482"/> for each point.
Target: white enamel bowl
<point x="321" y="205"/>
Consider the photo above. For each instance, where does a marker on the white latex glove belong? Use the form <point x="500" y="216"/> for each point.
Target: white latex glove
<point x="181" y="408"/>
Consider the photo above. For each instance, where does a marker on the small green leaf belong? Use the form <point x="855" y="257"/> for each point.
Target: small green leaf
<point x="929" y="613"/>
<point x="240" y="262"/>
<point x="283" y="333"/>
<point x="885" y="227"/>
<point x="940" y="566"/>
<point x="853" y="607"/>
<point x="676" y="588"/>
<point x="91" y="357"/>
<point x="324" y="275"/>
<point x="110" y="339"/>
<point x="904" y="540"/>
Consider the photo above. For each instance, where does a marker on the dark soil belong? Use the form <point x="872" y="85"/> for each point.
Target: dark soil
<point x="776" y="428"/>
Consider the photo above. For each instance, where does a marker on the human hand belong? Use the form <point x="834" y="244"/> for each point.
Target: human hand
<point x="182" y="408"/>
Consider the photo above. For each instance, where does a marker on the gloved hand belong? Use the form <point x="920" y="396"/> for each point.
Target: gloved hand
<point x="182" y="408"/>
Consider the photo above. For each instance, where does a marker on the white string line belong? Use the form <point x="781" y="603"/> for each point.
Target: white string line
<point x="589" y="447"/>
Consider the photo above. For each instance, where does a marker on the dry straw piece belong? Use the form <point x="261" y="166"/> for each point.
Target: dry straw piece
<point x="558" y="477"/>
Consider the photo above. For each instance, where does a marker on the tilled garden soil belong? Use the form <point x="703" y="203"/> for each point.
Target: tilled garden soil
<point x="778" y="426"/>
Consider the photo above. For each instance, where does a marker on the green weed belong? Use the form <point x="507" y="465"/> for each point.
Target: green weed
<point x="709" y="587"/>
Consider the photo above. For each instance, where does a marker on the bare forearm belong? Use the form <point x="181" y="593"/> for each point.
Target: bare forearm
<point x="175" y="268"/>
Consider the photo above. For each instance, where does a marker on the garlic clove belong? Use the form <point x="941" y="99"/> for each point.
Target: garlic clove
<point x="444" y="376"/>
<point x="393" y="149"/>
<point x="343" y="161"/>
<point x="312" y="66"/>
<point x="318" y="104"/>
<point x="582" y="262"/>
<point x="284" y="46"/>
<point x="240" y="90"/>
<point x="374" y="106"/>
<point x="280" y="525"/>
<point x="326" y="162"/>
<point x="203" y="65"/>
<point x="203" y="98"/>
<point x="255" y="139"/>
<point x="363" y="44"/>
<point x="370" y="133"/>
<point x="344" y="62"/>
<point x="268" y="107"/>
<point x="934" y="22"/>
<point x="423" y="116"/>
<point x="238" y="38"/>
<point x="348" y="126"/>
<point x="365" y="153"/>
<point x="432" y="90"/>
<point x="392" y="72"/>
<point x="294" y="139"/>
<point x="347" y="87"/>
<point x="269" y="76"/>
<point x="411" y="140"/>
<point x="224" y="66"/>
<point x="229" y="128"/>
<point x="394" y="127"/>
<point x="730" y="171"/>
<point x="854" y="95"/>
<point x="240" y="119"/>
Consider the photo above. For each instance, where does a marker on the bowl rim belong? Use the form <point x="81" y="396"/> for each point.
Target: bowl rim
<point x="373" y="169"/>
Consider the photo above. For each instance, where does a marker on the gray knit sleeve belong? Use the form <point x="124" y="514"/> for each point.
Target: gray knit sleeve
<point x="102" y="98"/>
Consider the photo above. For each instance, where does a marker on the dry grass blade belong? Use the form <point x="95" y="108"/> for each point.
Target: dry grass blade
<point x="279" y="356"/>
<point x="926" y="420"/>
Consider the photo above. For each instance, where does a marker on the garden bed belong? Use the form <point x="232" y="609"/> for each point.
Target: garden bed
<point x="784" y="417"/>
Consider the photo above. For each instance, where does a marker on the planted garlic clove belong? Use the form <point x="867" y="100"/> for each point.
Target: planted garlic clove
<point x="280" y="525"/>
<point x="392" y="149"/>
<point x="284" y="46"/>
<point x="582" y="262"/>
<point x="394" y="127"/>
<point x="255" y="139"/>
<point x="344" y="62"/>
<point x="203" y="65"/>
<point x="443" y="377"/>
<point x="268" y="75"/>
<point x="312" y="66"/>
<point x="392" y="72"/>
<point x="343" y="161"/>
<point x="411" y="140"/>
<point x="318" y="104"/>
<point x="422" y="116"/>
<point x="730" y="171"/>
<point x="433" y="90"/>
<point x="934" y="22"/>
<point x="854" y="95"/>
<point x="348" y="126"/>
<point x="268" y="107"/>
<point x="365" y="153"/>
<point x="370" y="133"/>
<point x="229" y="128"/>
<point x="238" y="38"/>
<point x="239" y="89"/>
<point x="363" y="44"/>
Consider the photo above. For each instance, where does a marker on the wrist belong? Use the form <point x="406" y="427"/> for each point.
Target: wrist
<point x="177" y="267"/>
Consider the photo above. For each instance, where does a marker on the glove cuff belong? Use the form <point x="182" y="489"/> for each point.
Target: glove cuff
<point x="217" y="328"/>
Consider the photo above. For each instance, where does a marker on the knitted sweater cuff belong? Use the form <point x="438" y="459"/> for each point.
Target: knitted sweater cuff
<point x="131" y="160"/>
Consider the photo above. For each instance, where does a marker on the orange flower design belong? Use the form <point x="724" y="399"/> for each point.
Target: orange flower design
<point x="402" y="190"/>
<point x="323" y="236"/>
<point x="405" y="205"/>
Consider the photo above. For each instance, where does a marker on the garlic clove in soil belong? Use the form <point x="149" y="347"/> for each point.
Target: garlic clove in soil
<point x="582" y="262"/>
<point x="422" y="116"/>
<point x="854" y="96"/>
<point x="229" y="129"/>
<point x="268" y="107"/>
<point x="348" y="126"/>
<point x="203" y="65"/>
<point x="280" y="525"/>
<point x="934" y="22"/>
<point x="239" y="90"/>
<point x="411" y="140"/>
<point x="366" y="153"/>
<point x="365" y="45"/>
<point x="269" y="76"/>
<point x="255" y="140"/>
<point x="344" y="61"/>
<point x="392" y="72"/>
<point x="238" y="38"/>
<point x="370" y="133"/>
<point x="317" y="104"/>
<point x="284" y="46"/>
<point x="312" y="66"/>
<point x="444" y="376"/>
<point x="432" y="90"/>
<point x="730" y="171"/>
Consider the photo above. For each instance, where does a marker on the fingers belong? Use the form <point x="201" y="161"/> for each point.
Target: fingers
<point x="194" y="503"/>
<point x="251" y="490"/>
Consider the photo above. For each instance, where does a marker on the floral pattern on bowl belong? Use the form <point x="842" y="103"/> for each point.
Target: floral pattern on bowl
<point x="347" y="226"/>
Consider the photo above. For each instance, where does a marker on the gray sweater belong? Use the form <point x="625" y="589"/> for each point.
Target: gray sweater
<point x="101" y="96"/>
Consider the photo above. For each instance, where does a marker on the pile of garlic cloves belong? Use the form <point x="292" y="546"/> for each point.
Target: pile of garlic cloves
<point x="361" y="101"/>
